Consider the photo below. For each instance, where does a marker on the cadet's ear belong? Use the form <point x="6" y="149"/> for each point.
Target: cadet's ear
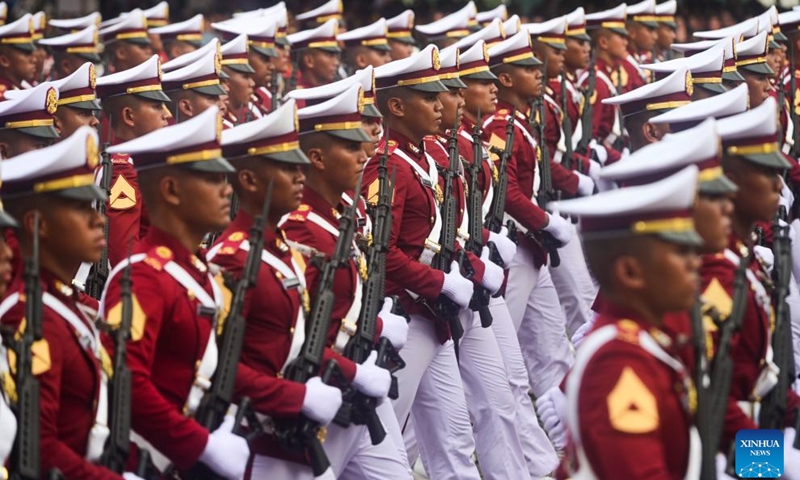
<point x="396" y="106"/>
<point x="650" y="132"/>
<point x="127" y="116"/>
<point x="306" y="60"/>
<point x="5" y="62"/>
<point x="169" y="190"/>
<point x="627" y="271"/>
<point x="247" y="180"/>
<point x="4" y="149"/>
<point x="504" y="78"/>
<point x="185" y="108"/>
<point x="28" y="221"/>
<point x="316" y="158"/>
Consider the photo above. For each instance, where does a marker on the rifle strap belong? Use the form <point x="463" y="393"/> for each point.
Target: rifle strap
<point x="488" y="187"/>
<point x="589" y="348"/>
<point x="89" y="338"/>
<point x="8" y="423"/>
<point x="788" y="137"/>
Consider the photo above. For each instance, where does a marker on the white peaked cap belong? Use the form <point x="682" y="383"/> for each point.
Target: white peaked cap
<point x="323" y="37"/>
<point x="419" y="72"/>
<point x="364" y="77"/>
<point x="552" y="32"/>
<point x="512" y="26"/>
<point x="274" y="136"/>
<point x="201" y="76"/>
<point x="194" y="24"/>
<point x="400" y="26"/>
<point x="31" y="111"/>
<point x="711" y="60"/>
<point x="670" y="7"/>
<point x="666" y="94"/>
<point x="191" y="57"/>
<point x="640" y="210"/>
<point x="455" y="25"/>
<point x="492" y="33"/>
<point x="747" y="28"/>
<point x="77" y="89"/>
<point x="499" y="12"/>
<point x="753" y="135"/>
<point x="76" y="23"/>
<point x="732" y="102"/>
<point x="340" y="116"/>
<point x="372" y="35"/>
<point x="121" y="27"/>
<point x="158" y="14"/>
<point x="331" y="8"/>
<point x="515" y="49"/>
<point x="136" y="80"/>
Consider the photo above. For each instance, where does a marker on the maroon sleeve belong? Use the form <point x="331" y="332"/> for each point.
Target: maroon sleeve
<point x="563" y="179"/>
<point x="124" y="210"/>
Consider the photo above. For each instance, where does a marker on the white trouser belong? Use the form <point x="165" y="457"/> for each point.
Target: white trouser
<point x="431" y="393"/>
<point x="490" y="402"/>
<point x="576" y="291"/>
<point x="534" y="307"/>
<point x="351" y="453"/>
<point x="793" y="302"/>
<point x="539" y="453"/>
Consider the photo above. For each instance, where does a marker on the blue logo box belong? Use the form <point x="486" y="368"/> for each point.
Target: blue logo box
<point x="759" y="453"/>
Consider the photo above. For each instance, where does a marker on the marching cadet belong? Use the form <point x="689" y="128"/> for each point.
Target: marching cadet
<point x="331" y="136"/>
<point x="194" y="88"/>
<point x="330" y="10"/>
<point x="315" y="56"/>
<point x="28" y="121"/>
<point x="77" y="101"/>
<point x="530" y="295"/>
<point x="176" y="298"/>
<point x="17" y="64"/>
<point x="180" y="38"/>
<point x="641" y="25"/>
<point x="262" y="54"/>
<point x="40" y="53"/>
<point x="577" y="58"/>
<point x="629" y="391"/>
<point x="133" y="101"/>
<point x="366" y="46"/>
<point x="752" y="64"/>
<point x="69" y="362"/>
<point x="667" y="29"/>
<point x="8" y="422"/>
<point x="238" y="81"/>
<point x="401" y="41"/>
<point x="609" y="41"/>
<point x="430" y="385"/>
<point x="126" y="42"/>
<point x="706" y="69"/>
<point x="448" y="30"/>
<point x="637" y="107"/>
<point x="71" y="51"/>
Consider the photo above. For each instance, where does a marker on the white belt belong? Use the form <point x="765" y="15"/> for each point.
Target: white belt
<point x="8" y="422"/>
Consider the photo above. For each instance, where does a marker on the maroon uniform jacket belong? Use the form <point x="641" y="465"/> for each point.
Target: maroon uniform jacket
<point x="603" y="116"/>
<point x="69" y="381"/>
<point x="127" y="220"/>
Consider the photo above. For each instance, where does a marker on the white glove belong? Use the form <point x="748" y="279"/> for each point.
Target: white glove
<point x="792" y="232"/>
<point x="766" y="256"/>
<point x="456" y="287"/>
<point x="321" y="401"/>
<point x="551" y="407"/>
<point x="8" y="424"/>
<point x="559" y="228"/>
<point x="395" y="327"/>
<point x="372" y="380"/>
<point x="600" y="151"/>
<point x="625" y="153"/>
<point x="226" y="453"/>
<point x="787" y="194"/>
<point x="585" y="184"/>
<point x="505" y="246"/>
<point x="722" y="464"/>
<point x="131" y="476"/>
<point x="582" y="331"/>
<point x="594" y="170"/>
<point x="791" y="456"/>
<point x="493" y="275"/>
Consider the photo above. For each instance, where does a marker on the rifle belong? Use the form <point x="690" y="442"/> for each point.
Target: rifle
<point x="546" y="191"/>
<point x="25" y="460"/>
<point x="586" y="115"/>
<point x="792" y="96"/>
<point x="702" y="384"/>
<point x="303" y="435"/>
<point x="361" y="344"/>
<point x="117" y="449"/>
<point x="444" y="307"/>
<point x="481" y="297"/>
<point x="773" y="405"/>
<point x="567" y="124"/>
<point x="712" y="419"/>
<point x="273" y="91"/>
<point x="619" y="143"/>
<point x="100" y="269"/>
<point x="497" y="208"/>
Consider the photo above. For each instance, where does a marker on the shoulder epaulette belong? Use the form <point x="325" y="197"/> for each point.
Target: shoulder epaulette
<point x="120" y="158"/>
<point x="231" y="244"/>
<point x="300" y="214"/>
<point x="158" y="257"/>
<point x="628" y="331"/>
<point x="501" y="114"/>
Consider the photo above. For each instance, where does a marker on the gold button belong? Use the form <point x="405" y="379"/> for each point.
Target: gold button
<point x="291" y="330"/>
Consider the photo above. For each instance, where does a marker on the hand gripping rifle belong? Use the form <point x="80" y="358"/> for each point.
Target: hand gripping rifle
<point x="217" y="400"/>
<point x="546" y="191"/>
<point x="25" y="460"/>
<point x="444" y="307"/>
<point x="773" y="406"/>
<point x="497" y="208"/>
<point x="586" y="115"/>
<point x="711" y="410"/>
<point x="362" y="343"/>
<point x="303" y="434"/>
<point x="99" y="275"/>
<point x="474" y="244"/>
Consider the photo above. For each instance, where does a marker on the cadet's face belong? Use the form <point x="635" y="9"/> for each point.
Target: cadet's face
<point x="617" y="46"/>
<point x="400" y="50"/>
<point x="39" y="56"/>
<point x="712" y="220"/>
<point x="73" y="230"/>
<point x="205" y="200"/>
<point x="670" y="274"/>
<point x="197" y="104"/>
<point x="376" y="58"/>
<point x="67" y="120"/>
<point x="148" y="115"/>
<point x="578" y="54"/>
<point x="326" y="64"/>
<point x="372" y="127"/>
<point x="263" y="67"/>
<point x="527" y="81"/>
<point x="759" y="192"/>
<point x="423" y="112"/>
<point x="452" y="107"/>
<point x="176" y="49"/>
<point x="555" y="62"/>
<point x="240" y="87"/>
<point x="666" y="35"/>
<point x="344" y="161"/>
<point x="6" y="255"/>
<point x="774" y="61"/>
<point x="134" y="54"/>
<point x="20" y="63"/>
<point x="480" y="95"/>
<point x="758" y="87"/>
<point x="283" y="58"/>
<point x="287" y="189"/>
<point x="643" y="38"/>
<point x="17" y="143"/>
